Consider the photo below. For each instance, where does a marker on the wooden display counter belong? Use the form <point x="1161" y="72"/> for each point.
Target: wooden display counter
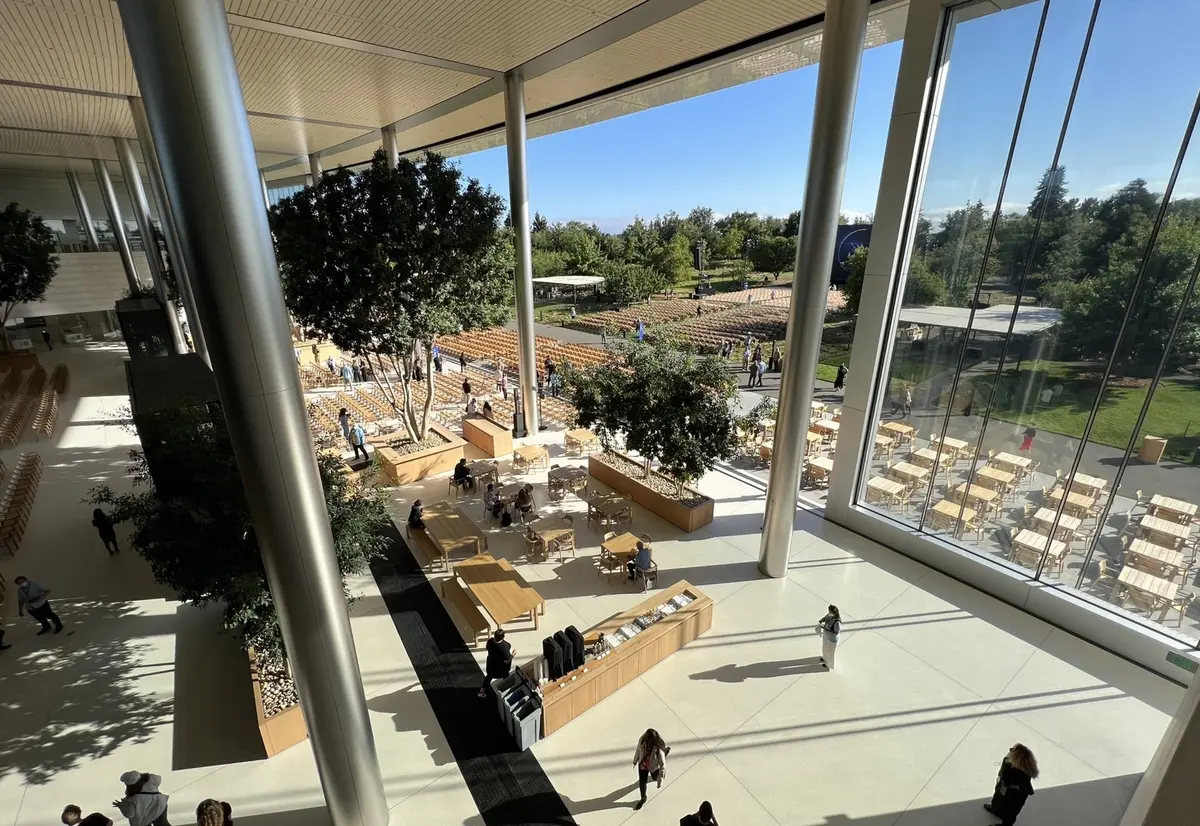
<point x="565" y="699"/>
<point x="493" y="439"/>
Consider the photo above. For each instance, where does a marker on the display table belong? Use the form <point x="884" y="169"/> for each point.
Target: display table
<point x="565" y="699"/>
<point x="493" y="439"/>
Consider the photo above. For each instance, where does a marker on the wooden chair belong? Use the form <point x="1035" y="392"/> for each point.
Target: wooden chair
<point x="533" y="545"/>
<point x="647" y="576"/>
<point x="1182" y="602"/>
<point x="1106" y="577"/>
<point x="519" y="463"/>
<point x="608" y="564"/>
<point x="623" y="519"/>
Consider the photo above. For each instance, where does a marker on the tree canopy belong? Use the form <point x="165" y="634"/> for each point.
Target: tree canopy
<point x="773" y="254"/>
<point x="27" y="260"/>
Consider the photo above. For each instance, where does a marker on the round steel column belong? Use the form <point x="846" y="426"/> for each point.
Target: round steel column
<point x="314" y="168"/>
<point x="514" y="137"/>
<point x="266" y="193"/>
<point x="166" y="216"/>
<point x="183" y="59"/>
<point x="389" y="145"/>
<point x="141" y="212"/>
<point x="85" y="214"/>
<point x="115" y="222"/>
<point x="833" y="117"/>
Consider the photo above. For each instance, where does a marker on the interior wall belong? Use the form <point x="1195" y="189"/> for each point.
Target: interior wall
<point x="49" y="195"/>
<point x="85" y="282"/>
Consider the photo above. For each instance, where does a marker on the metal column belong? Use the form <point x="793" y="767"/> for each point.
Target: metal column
<point x="514" y="138"/>
<point x="389" y="146"/>
<point x="314" y="167"/>
<point x="266" y="193"/>
<point x="114" y="221"/>
<point x="183" y="59"/>
<point x="175" y="246"/>
<point x="833" y="117"/>
<point x="141" y="212"/>
<point x="85" y="214"/>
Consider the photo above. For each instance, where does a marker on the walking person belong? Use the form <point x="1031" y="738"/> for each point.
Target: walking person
<point x="1027" y="442"/>
<point x="437" y="358"/>
<point x="104" y="526"/>
<point x="499" y="660"/>
<point x="466" y="388"/>
<point x="46" y="338"/>
<point x="33" y="597"/>
<point x="762" y="371"/>
<point x="503" y="385"/>
<point x="704" y="817"/>
<point x="358" y="440"/>
<point x="1014" y="784"/>
<point x="329" y="362"/>
<point x="73" y="816"/>
<point x="753" y="374"/>
<point x="830" y="629"/>
<point x="344" y="423"/>
<point x="907" y="402"/>
<point x="316" y="351"/>
<point x="650" y="757"/>
<point x="839" y="381"/>
<point x="143" y="803"/>
<point x="348" y="376"/>
<point x="746" y="358"/>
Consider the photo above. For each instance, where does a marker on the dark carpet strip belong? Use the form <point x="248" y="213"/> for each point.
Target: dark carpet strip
<point x="508" y="785"/>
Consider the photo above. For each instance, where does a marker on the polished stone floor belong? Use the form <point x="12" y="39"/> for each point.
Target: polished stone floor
<point x="935" y="680"/>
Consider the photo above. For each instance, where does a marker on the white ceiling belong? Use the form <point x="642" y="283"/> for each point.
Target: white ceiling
<point x="324" y="75"/>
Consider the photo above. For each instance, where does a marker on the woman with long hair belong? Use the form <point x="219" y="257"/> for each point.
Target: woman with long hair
<point x="830" y="629"/>
<point x="650" y="757"/>
<point x="210" y="813"/>
<point x="1013" y="785"/>
<point x="143" y="803"/>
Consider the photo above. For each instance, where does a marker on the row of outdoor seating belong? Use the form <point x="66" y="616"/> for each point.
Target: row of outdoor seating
<point x="16" y="418"/>
<point x="11" y="384"/>
<point x="46" y="416"/>
<point x="17" y="500"/>
<point x="656" y="312"/>
<point x="764" y="322"/>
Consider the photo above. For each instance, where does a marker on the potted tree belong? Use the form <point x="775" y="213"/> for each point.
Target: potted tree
<point x="383" y="261"/>
<point x="191" y="523"/>
<point x="672" y="408"/>
<point x="27" y="261"/>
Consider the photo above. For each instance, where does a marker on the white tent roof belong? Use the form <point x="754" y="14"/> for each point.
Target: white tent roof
<point x="994" y="319"/>
<point x="570" y="280"/>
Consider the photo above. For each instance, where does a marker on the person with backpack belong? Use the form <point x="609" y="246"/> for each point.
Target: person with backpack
<point x="143" y="803"/>
<point x="830" y="629"/>
<point x="103" y="523"/>
<point x="650" y="757"/>
<point x="358" y="440"/>
<point x="1013" y="784"/>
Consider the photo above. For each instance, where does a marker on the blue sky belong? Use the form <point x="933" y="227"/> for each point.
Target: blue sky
<point x="746" y="148"/>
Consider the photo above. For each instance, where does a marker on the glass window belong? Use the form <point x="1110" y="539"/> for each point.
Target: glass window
<point x="1025" y="399"/>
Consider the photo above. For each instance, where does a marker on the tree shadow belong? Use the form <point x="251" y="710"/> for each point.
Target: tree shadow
<point x="409" y="709"/>
<point x="72" y="699"/>
<point x="733" y="673"/>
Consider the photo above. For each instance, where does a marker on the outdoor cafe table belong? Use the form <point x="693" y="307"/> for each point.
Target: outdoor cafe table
<point x="908" y="472"/>
<point x="926" y="456"/>
<point x="947" y="514"/>
<point x="1008" y="460"/>
<point x="580" y="439"/>
<point x="975" y="493"/>
<point x="549" y="536"/>
<point x="1163" y="590"/>
<point x="622" y="546"/>
<point x="484" y="471"/>
<point x="818" y="407"/>
<point x="1076" y="502"/>
<point x="956" y="446"/>
<point x="903" y="432"/>
<point x="828" y="425"/>
<point x="1067" y="525"/>
<point x="533" y="454"/>
<point x="1176" y="510"/>
<point x="818" y="468"/>
<point x="571" y="477"/>
<point x="888" y="490"/>
<point x="883" y="444"/>
<point x="608" y="504"/>
<point x="501" y="591"/>
<point x="1156" y="555"/>
<point x="1090" y="485"/>
<point x="1030" y="545"/>
<point x="1173" y="533"/>
<point x="1001" y="478"/>
<point x="452" y="530"/>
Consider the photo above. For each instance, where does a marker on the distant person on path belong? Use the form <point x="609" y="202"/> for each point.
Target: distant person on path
<point x="418" y="373"/>
<point x="358" y="440"/>
<point x="466" y="388"/>
<point x="704" y="817"/>
<point x="499" y="660"/>
<point x="757" y="352"/>
<point x="329" y="362"/>
<point x="1027" y="442"/>
<point x="32" y="596"/>
<point x="746" y="358"/>
<point x="773" y="362"/>
<point x="462" y="362"/>
<point x="104" y="526"/>
<point x="970" y="402"/>
<point x="46" y="338"/>
<point x="297" y="352"/>
<point x="344" y="422"/>
<point x="437" y="358"/>
<point x="572" y="313"/>
<point x="753" y="374"/>
<point x="503" y="385"/>
<point x="416" y="515"/>
<point x="830" y="629"/>
<point x="650" y="757"/>
<point x="73" y="816"/>
<point x="143" y="803"/>
<point x="697" y="310"/>
<point x="604" y="336"/>
<point x="762" y="371"/>
<point x="907" y="401"/>
<point x="348" y="376"/>
<point x="839" y="381"/>
<point x="1013" y="785"/>
<point x="316" y="351"/>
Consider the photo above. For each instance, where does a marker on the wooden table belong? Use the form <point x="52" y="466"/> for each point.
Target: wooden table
<point x="1067" y="524"/>
<point x="946" y="514"/>
<point x="975" y="493"/>
<point x="818" y="468"/>
<point x="609" y="504"/>
<point x="1030" y="545"/>
<point x="1009" y="460"/>
<point x="883" y="444"/>
<point x="1076" y="502"/>
<point x="502" y="592"/>
<point x="927" y="456"/>
<point x="818" y="407"/>
<point x="1156" y="555"/>
<point x="903" y="432"/>
<point x="533" y="454"/>
<point x="623" y="546"/>
<point x="1090" y="485"/>
<point x="889" y="490"/>
<point x="1163" y="591"/>
<point x="452" y="530"/>
<point x="581" y="439"/>
<point x="1174" y="533"/>
<point x="1002" y="479"/>
<point x="550" y="536"/>
<point x="484" y="472"/>
<point x="908" y="472"/>
<point x="1176" y="510"/>
<point x="956" y="446"/>
<point x="827" y="425"/>
<point x="568" y="477"/>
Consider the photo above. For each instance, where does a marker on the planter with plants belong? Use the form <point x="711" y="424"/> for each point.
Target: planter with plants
<point x="673" y="409"/>
<point x="191" y="523"/>
<point x="403" y="461"/>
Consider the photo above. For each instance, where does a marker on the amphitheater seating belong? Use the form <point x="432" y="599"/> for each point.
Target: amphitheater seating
<point x="16" y="417"/>
<point x="17" y="501"/>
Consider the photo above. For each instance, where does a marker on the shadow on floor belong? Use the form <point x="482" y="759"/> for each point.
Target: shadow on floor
<point x="407" y="707"/>
<point x="779" y="668"/>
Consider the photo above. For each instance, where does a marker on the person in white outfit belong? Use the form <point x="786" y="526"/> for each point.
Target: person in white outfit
<point x="830" y="629"/>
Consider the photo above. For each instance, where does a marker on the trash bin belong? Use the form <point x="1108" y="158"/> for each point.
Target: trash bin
<point x="1152" y="450"/>
<point x="527" y="723"/>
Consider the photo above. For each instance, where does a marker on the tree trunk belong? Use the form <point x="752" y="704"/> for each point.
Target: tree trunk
<point x="402" y="370"/>
<point x="428" y="347"/>
<point x="384" y="383"/>
<point x="647" y="466"/>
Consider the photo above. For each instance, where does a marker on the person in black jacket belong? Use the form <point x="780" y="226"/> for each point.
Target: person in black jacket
<point x="1013" y="785"/>
<point x="499" y="660"/>
<point x="704" y="817"/>
<point x="104" y="526"/>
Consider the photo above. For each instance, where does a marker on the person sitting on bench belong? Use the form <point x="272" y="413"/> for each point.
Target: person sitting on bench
<point x="414" y="516"/>
<point x="492" y="501"/>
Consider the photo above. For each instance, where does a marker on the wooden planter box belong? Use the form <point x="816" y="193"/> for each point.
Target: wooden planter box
<point x="279" y="731"/>
<point x="413" y="467"/>
<point x="678" y="514"/>
<point x="492" y="438"/>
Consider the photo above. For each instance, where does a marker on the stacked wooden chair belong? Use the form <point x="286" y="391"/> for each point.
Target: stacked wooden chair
<point x="17" y="501"/>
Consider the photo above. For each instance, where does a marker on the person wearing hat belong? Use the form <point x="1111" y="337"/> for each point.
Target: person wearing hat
<point x="143" y="804"/>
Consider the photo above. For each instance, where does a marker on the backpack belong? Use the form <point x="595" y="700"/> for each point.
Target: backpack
<point x="506" y="519"/>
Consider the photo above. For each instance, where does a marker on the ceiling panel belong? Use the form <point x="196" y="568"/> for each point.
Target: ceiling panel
<point x="289" y="137"/>
<point x="42" y="163"/>
<point x="57" y="145"/>
<point x="496" y="34"/>
<point x="75" y="43"/>
<point x="25" y="108"/>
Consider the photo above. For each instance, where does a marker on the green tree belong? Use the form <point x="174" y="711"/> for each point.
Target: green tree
<point x="390" y="258"/>
<point x="1050" y="195"/>
<point x="791" y="226"/>
<point x="856" y="266"/>
<point x="921" y="287"/>
<point x="627" y="284"/>
<point x="733" y="244"/>
<point x="27" y="260"/>
<point x="548" y="264"/>
<point x="641" y="395"/>
<point x="957" y="253"/>
<point x="540" y="224"/>
<point x="773" y="254"/>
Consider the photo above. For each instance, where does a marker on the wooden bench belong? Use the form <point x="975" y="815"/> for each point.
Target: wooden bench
<point x="455" y="594"/>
